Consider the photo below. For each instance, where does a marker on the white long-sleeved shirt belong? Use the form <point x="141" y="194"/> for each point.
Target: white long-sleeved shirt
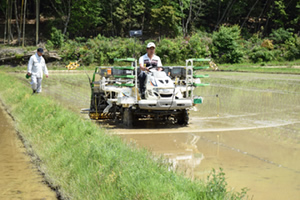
<point x="37" y="65"/>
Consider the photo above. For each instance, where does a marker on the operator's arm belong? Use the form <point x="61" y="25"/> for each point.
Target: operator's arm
<point x="142" y="67"/>
<point x="159" y="64"/>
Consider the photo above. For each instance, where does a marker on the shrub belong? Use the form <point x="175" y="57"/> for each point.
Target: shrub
<point x="179" y="49"/>
<point x="86" y="55"/>
<point x="287" y="43"/>
<point x="281" y="35"/>
<point x="70" y="50"/>
<point x="102" y="50"/>
<point x="198" y="46"/>
<point x="57" y="38"/>
<point x="292" y="48"/>
<point x="261" y="54"/>
<point x="226" y="44"/>
<point x="169" y="51"/>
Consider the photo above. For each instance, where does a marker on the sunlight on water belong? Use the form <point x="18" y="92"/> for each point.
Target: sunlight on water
<point x="249" y="125"/>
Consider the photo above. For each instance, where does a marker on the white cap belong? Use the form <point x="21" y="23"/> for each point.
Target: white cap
<point x="150" y="44"/>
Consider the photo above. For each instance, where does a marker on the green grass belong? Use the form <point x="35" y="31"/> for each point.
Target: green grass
<point x="271" y="63"/>
<point x="270" y="67"/>
<point x="261" y="70"/>
<point x="83" y="161"/>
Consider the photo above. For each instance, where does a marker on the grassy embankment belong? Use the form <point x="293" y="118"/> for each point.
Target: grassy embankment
<point x="84" y="162"/>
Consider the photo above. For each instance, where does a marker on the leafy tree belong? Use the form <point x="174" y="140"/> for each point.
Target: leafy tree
<point x="279" y="10"/>
<point x="63" y="8"/>
<point x="165" y="21"/>
<point x="261" y="54"/>
<point x="129" y="15"/>
<point x="226" y="47"/>
<point x="199" y="45"/>
<point x="296" y="20"/>
<point x="169" y="50"/>
<point x="155" y="17"/>
<point x="190" y="11"/>
<point x="109" y="23"/>
<point x="281" y="35"/>
<point x="57" y="38"/>
<point x="86" y="15"/>
<point x="291" y="48"/>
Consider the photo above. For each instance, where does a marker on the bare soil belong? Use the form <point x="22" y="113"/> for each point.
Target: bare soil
<point x="19" y="178"/>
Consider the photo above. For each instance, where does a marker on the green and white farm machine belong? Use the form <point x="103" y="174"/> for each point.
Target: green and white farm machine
<point x="169" y="94"/>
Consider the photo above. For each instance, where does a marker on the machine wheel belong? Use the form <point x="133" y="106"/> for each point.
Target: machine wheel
<point x="98" y="104"/>
<point x="183" y="118"/>
<point x="128" y="118"/>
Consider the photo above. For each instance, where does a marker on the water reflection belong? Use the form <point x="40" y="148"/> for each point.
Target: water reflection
<point x="251" y="130"/>
<point x="187" y="160"/>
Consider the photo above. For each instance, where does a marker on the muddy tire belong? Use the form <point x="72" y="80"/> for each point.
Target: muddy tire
<point x="98" y="102"/>
<point x="128" y="118"/>
<point x="183" y="118"/>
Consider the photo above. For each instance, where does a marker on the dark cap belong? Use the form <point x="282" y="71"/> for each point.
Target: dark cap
<point x="40" y="50"/>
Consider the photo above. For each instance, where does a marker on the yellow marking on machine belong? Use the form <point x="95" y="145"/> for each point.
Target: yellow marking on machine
<point x="97" y="116"/>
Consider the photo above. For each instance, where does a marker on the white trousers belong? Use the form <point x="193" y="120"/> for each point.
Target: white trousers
<point x="36" y="84"/>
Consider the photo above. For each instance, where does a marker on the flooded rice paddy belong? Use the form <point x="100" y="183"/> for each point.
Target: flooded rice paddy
<point x="248" y="125"/>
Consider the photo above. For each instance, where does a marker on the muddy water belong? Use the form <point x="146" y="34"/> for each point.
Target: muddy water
<point x="249" y="125"/>
<point x="19" y="179"/>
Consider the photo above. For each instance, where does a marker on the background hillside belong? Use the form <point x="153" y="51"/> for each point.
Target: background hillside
<point x="229" y="31"/>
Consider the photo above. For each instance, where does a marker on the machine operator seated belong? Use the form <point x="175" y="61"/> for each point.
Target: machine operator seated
<point x="148" y="62"/>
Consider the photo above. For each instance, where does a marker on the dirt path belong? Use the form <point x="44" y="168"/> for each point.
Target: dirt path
<point x="19" y="179"/>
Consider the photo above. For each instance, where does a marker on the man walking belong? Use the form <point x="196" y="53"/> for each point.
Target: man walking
<point x="35" y="69"/>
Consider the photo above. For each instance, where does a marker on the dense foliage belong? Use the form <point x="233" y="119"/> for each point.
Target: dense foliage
<point x="229" y="31"/>
<point x="224" y="46"/>
<point x="158" y="17"/>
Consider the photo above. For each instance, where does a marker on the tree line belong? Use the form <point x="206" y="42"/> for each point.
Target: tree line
<point x="156" y="18"/>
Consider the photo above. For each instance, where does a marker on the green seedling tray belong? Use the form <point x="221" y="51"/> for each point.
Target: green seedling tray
<point x="200" y="67"/>
<point x="125" y="76"/>
<point x="201" y="84"/>
<point x="124" y="67"/>
<point x="200" y="75"/>
<point x="124" y="59"/>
